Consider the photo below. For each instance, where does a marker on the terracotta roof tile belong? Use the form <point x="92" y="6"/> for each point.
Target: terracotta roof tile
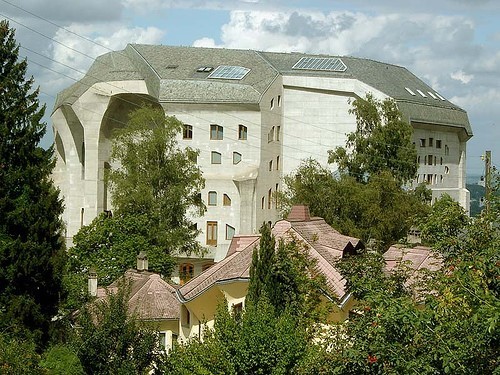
<point x="235" y="265"/>
<point x="151" y="297"/>
<point x="324" y="243"/>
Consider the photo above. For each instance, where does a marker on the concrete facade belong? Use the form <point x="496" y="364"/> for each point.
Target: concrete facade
<point x="288" y="114"/>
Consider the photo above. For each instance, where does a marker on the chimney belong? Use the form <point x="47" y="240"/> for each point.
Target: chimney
<point x="92" y="282"/>
<point x="142" y="261"/>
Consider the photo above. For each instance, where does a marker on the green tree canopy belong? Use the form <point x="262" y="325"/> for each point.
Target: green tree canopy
<point x="111" y="340"/>
<point x="382" y="142"/>
<point x="378" y="209"/>
<point x="31" y="245"/>
<point x="157" y="178"/>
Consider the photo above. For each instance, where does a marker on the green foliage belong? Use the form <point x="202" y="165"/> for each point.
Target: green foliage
<point x="111" y="340"/>
<point x="110" y="245"/>
<point x="18" y="356"/>
<point x="260" y="342"/>
<point x="444" y="322"/>
<point x="378" y="209"/>
<point x="31" y="245"/>
<point x="442" y="227"/>
<point x="156" y="179"/>
<point x="262" y="264"/>
<point x="61" y="360"/>
<point x="382" y="142"/>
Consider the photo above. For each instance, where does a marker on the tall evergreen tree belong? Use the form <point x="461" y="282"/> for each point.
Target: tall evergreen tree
<point x="262" y="265"/>
<point x="31" y="245"/>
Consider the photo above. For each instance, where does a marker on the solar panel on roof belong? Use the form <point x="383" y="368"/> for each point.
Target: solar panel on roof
<point x="229" y="72"/>
<point x="332" y="64"/>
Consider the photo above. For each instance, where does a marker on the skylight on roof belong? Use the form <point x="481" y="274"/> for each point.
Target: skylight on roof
<point x="332" y="64"/>
<point x="432" y="95"/>
<point x="229" y="72"/>
<point x="410" y="91"/>
<point x="440" y="97"/>
<point x="421" y="93"/>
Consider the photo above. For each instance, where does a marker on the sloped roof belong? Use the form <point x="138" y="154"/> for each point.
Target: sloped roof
<point x="151" y="297"/>
<point x="235" y="266"/>
<point x="171" y="74"/>
<point x="325" y="246"/>
<point x="416" y="258"/>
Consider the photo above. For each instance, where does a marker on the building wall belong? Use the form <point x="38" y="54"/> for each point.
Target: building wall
<point x="316" y="117"/>
<point x="441" y="157"/>
<point x="298" y="117"/>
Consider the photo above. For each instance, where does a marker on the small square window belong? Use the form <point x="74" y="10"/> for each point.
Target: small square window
<point x="422" y="142"/>
<point x="236" y="157"/>
<point x="229" y="232"/>
<point x="216" y="157"/>
<point x="187" y="132"/>
<point x="242" y="132"/>
<point x="216" y="132"/>
<point x="212" y="198"/>
<point x="438" y="143"/>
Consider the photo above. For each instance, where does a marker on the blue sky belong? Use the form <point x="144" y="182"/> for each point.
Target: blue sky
<point x="453" y="45"/>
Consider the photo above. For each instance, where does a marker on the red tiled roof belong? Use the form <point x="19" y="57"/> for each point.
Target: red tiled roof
<point x="235" y="265"/>
<point x="325" y="245"/>
<point x="151" y="297"/>
<point x="417" y="258"/>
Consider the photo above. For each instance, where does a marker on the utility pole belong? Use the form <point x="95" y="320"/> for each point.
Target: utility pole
<point x="487" y="179"/>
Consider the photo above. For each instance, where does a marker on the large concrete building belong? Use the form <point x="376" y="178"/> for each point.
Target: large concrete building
<point x="253" y="115"/>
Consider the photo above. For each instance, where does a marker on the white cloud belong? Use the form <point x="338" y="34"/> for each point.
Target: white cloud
<point x="461" y="76"/>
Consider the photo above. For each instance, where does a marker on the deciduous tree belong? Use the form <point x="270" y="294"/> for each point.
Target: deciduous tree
<point x="382" y="142"/>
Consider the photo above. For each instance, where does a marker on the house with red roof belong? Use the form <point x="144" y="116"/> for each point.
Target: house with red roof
<point x="229" y="278"/>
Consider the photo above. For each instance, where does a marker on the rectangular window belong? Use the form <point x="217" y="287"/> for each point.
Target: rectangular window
<point x="216" y="157"/>
<point x="187" y="132"/>
<point x="185" y="316"/>
<point x="422" y="142"/>
<point x="226" y="201"/>
<point x="431" y="142"/>
<point x="438" y="143"/>
<point x="186" y="272"/>
<point x="216" y="132"/>
<point x="270" y="135"/>
<point x="278" y="163"/>
<point x="279" y="100"/>
<point x="229" y="232"/>
<point x="269" y="198"/>
<point x="278" y="131"/>
<point x="270" y="165"/>
<point x="429" y="160"/>
<point x="242" y="132"/>
<point x="272" y="103"/>
<point x="212" y="233"/>
<point x="262" y="202"/>
<point x="212" y="198"/>
<point x="236" y="157"/>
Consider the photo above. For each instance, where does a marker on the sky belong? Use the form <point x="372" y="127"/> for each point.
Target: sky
<point x="453" y="45"/>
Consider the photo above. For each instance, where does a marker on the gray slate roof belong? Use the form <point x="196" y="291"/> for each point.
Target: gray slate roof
<point x="170" y="73"/>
